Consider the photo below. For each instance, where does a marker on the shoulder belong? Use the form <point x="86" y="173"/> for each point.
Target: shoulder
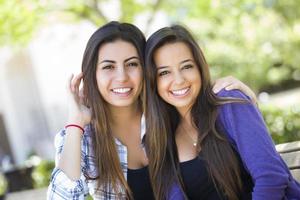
<point x="238" y="111"/>
<point x="237" y="102"/>
<point x="238" y="105"/>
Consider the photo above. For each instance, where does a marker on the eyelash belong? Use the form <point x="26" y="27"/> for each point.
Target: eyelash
<point x="163" y="73"/>
<point x="107" y="67"/>
<point x="187" y="66"/>
<point x="133" y="64"/>
<point x="167" y="72"/>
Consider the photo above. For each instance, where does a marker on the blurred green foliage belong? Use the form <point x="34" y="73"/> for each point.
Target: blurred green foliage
<point x="42" y="173"/>
<point x="283" y="124"/>
<point x="257" y="41"/>
<point x="89" y="197"/>
<point x="3" y="185"/>
<point x="19" y="20"/>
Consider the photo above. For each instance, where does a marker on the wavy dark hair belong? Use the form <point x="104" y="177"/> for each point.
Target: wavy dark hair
<point x="107" y="159"/>
<point x="163" y="119"/>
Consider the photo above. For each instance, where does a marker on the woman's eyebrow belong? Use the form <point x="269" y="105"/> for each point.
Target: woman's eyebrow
<point x="133" y="57"/>
<point x="110" y="61"/>
<point x="187" y="60"/>
<point x="162" y="67"/>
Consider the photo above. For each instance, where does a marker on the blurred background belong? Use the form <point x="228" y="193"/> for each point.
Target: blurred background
<point x="42" y="43"/>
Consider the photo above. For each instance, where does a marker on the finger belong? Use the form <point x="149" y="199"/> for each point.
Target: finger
<point x="69" y="83"/>
<point x="216" y="85"/>
<point x="232" y="87"/>
<point x="216" y="89"/>
<point x="76" y="82"/>
<point x="220" y="85"/>
<point x="252" y="96"/>
<point x="80" y="82"/>
<point x="78" y="79"/>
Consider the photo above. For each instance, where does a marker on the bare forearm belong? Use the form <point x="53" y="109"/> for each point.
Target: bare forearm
<point x="70" y="157"/>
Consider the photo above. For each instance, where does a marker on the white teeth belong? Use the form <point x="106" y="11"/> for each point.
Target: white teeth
<point x="180" y="92"/>
<point x="121" y="90"/>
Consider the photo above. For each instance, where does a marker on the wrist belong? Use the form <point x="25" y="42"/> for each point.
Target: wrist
<point x="75" y="126"/>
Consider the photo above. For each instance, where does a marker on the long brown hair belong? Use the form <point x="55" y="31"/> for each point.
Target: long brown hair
<point x="163" y="119"/>
<point x="107" y="160"/>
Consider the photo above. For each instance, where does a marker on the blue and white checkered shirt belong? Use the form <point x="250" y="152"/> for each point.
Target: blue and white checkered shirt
<point x="61" y="187"/>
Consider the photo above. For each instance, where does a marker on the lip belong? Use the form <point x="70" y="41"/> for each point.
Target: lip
<point x="181" y="92"/>
<point x="122" y="91"/>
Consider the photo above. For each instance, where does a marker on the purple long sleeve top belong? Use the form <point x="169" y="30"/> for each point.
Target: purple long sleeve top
<point x="245" y="129"/>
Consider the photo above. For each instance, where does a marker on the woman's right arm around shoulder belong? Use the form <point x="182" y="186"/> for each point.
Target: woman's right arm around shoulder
<point x="67" y="177"/>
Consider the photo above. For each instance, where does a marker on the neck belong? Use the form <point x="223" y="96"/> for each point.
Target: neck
<point x="185" y="117"/>
<point x="123" y="115"/>
<point x="125" y="123"/>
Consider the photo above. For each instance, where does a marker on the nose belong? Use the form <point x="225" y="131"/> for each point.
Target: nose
<point x="121" y="74"/>
<point x="179" y="78"/>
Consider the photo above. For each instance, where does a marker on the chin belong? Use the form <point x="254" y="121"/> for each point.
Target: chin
<point x="179" y="104"/>
<point x="124" y="103"/>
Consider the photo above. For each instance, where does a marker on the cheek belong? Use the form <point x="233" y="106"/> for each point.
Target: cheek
<point x="138" y="75"/>
<point x="162" y="87"/>
<point x="197" y="81"/>
<point x="102" y="82"/>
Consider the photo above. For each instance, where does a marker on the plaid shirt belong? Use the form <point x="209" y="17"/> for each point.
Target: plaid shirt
<point x="61" y="187"/>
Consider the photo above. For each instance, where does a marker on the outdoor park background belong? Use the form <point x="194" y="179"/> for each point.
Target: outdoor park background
<point x="42" y="42"/>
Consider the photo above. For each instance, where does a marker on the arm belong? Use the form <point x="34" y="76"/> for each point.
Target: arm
<point x="61" y="186"/>
<point x="70" y="157"/>
<point x="67" y="178"/>
<point x="231" y="83"/>
<point x="246" y="129"/>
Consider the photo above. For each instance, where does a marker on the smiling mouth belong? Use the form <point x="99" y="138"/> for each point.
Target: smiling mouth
<point x="125" y="91"/>
<point x="181" y="92"/>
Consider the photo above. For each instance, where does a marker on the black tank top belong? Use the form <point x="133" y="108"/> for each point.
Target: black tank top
<point x="139" y="183"/>
<point x="199" y="184"/>
<point x="197" y="181"/>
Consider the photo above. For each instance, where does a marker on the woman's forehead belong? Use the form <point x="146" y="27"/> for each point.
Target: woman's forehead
<point x="117" y="50"/>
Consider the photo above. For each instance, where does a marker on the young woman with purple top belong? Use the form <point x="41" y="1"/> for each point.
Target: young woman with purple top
<point x="213" y="146"/>
<point x="101" y="149"/>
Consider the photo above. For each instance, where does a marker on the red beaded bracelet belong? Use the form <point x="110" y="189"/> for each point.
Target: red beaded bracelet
<point x="75" y="125"/>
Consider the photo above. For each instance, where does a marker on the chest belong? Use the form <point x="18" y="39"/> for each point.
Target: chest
<point x="197" y="180"/>
<point x="129" y="142"/>
<point x="186" y="141"/>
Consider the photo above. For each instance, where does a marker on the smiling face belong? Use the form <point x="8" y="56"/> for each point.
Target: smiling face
<point x="119" y="73"/>
<point x="178" y="77"/>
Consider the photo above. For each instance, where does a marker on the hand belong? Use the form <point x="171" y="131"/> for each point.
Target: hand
<point x="231" y="83"/>
<point x="78" y="112"/>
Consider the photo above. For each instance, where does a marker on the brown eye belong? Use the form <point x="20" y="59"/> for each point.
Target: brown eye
<point x="187" y="66"/>
<point x="107" y="67"/>
<point x="163" y="73"/>
<point x="133" y="64"/>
